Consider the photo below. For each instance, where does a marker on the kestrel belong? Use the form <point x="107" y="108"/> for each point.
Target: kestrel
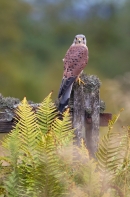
<point x="75" y="60"/>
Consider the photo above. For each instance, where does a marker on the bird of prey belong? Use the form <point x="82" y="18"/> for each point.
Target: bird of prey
<point x="75" y="60"/>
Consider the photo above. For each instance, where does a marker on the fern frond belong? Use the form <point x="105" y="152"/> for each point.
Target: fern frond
<point x="114" y="120"/>
<point x="63" y="129"/>
<point x="46" y="114"/>
<point x="29" y="133"/>
<point x="12" y="145"/>
<point x="51" y="179"/>
<point x="113" y="158"/>
<point x="52" y="170"/>
<point x="21" y="145"/>
<point x="11" y="185"/>
<point x="108" y="156"/>
<point x="122" y="175"/>
<point x="28" y="130"/>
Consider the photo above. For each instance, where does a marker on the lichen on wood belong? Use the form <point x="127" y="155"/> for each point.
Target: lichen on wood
<point x="7" y="112"/>
<point x="85" y="103"/>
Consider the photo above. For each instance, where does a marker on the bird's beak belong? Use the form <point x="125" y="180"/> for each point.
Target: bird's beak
<point x="79" y="39"/>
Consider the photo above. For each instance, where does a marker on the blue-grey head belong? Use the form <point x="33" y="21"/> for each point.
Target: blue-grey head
<point x="80" y="39"/>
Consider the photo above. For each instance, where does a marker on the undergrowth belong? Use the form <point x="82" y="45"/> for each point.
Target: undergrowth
<point x="40" y="159"/>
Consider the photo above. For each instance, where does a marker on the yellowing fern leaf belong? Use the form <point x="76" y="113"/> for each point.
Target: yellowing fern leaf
<point x="46" y="114"/>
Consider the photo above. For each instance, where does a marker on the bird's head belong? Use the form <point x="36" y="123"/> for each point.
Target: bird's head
<point x="79" y="39"/>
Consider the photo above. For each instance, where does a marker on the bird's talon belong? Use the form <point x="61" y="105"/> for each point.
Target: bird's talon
<point x="80" y="81"/>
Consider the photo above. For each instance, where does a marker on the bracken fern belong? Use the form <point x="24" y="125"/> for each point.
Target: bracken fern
<point x="41" y="160"/>
<point x="111" y="154"/>
<point x="32" y="152"/>
<point x="46" y="114"/>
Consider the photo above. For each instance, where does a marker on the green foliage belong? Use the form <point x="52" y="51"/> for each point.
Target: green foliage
<point x="46" y="114"/>
<point x="108" y="152"/>
<point x="114" y="159"/>
<point x="31" y="153"/>
<point x="41" y="161"/>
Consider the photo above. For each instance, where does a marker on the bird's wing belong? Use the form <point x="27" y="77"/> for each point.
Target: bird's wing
<point x="75" y="60"/>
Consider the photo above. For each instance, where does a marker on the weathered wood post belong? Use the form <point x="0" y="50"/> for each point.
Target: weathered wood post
<point x="85" y="104"/>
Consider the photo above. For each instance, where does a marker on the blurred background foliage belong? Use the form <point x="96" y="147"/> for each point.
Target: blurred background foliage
<point x="35" y="35"/>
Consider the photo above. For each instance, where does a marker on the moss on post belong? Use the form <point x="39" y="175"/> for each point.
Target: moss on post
<point x="85" y="106"/>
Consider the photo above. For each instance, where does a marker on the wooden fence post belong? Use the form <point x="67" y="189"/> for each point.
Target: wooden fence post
<point x="85" y="102"/>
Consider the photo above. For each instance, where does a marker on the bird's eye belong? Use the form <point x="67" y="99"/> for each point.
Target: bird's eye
<point x="76" y="38"/>
<point x="83" y="38"/>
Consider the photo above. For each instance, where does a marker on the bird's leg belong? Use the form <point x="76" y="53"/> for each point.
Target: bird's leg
<point x="80" y="81"/>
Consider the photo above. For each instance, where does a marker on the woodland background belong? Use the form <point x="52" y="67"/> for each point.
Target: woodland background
<point x="35" y="35"/>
